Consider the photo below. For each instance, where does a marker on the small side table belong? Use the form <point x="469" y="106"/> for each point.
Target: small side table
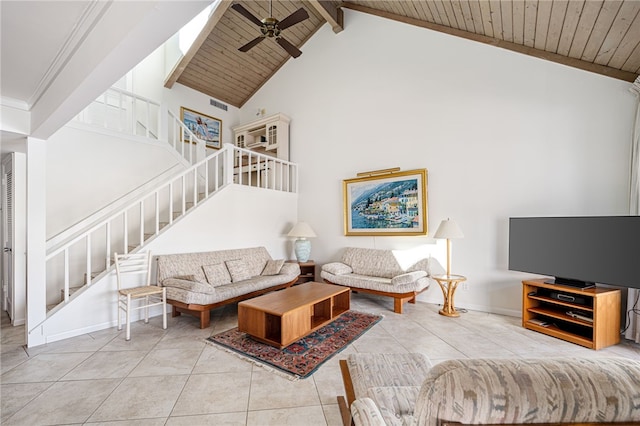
<point x="307" y="271"/>
<point x="448" y="285"/>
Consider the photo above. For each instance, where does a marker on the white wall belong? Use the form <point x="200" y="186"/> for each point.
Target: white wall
<point x="86" y="171"/>
<point x="501" y="135"/>
<point x="237" y="217"/>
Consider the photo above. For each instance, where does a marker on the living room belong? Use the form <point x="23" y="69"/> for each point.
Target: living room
<point x="501" y="135"/>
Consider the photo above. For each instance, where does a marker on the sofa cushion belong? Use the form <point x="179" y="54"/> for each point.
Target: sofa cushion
<point x="549" y="390"/>
<point x="408" y="278"/>
<point x="238" y="270"/>
<point x="337" y="268"/>
<point x="375" y="283"/>
<point x="217" y="274"/>
<point x="273" y="267"/>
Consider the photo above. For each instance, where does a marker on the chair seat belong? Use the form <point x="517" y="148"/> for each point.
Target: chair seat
<point x="147" y="290"/>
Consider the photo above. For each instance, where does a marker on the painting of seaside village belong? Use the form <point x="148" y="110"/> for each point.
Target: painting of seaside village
<point x="390" y="206"/>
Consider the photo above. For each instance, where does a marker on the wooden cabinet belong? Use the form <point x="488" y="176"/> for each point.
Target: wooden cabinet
<point x="588" y="317"/>
<point x="307" y="271"/>
<point x="267" y="135"/>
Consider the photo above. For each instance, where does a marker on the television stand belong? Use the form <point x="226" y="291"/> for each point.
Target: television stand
<point x="593" y="322"/>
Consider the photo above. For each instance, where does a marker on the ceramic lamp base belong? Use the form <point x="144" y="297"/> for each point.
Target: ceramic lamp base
<point x="303" y="250"/>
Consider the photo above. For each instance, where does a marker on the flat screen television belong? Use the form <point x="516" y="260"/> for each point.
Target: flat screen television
<point x="577" y="251"/>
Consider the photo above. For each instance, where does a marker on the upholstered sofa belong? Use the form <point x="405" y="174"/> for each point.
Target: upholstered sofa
<point x="403" y="389"/>
<point x="199" y="282"/>
<point x="378" y="271"/>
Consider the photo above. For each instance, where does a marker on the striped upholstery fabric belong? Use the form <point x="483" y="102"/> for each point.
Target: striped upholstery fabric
<point x="475" y="391"/>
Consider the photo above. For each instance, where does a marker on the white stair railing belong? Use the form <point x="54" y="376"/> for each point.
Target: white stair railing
<point x="183" y="140"/>
<point x="87" y="257"/>
<point x="124" y="112"/>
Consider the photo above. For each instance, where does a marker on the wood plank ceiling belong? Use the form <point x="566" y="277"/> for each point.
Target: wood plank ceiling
<point x="601" y="36"/>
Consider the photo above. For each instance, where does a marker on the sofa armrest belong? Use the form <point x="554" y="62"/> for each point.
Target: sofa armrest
<point x="408" y="278"/>
<point x="365" y="412"/>
<point x="337" y="268"/>
<point x="194" y="286"/>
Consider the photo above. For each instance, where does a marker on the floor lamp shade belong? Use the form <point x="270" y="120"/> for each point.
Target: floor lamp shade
<point x="302" y="231"/>
<point x="448" y="229"/>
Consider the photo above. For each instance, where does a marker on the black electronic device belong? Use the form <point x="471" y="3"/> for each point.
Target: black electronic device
<point x="568" y="298"/>
<point x="578" y="251"/>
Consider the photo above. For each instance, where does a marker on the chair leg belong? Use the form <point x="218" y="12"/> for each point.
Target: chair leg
<point x="127" y="333"/>
<point x="164" y="308"/>
<point x="146" y="310"/>
<point x="119" y="312"/>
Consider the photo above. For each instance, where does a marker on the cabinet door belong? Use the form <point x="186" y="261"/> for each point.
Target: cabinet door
<point x="241" y="140"/>
<point x="272" y="136"/>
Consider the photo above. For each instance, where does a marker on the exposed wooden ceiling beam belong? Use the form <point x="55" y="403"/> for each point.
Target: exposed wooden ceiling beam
<point x="330" y="13"/>
<point x="553" y="57"/>
<point x="175" y="73"/>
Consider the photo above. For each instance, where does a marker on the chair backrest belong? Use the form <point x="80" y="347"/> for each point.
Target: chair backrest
<point x="137" y="263"/>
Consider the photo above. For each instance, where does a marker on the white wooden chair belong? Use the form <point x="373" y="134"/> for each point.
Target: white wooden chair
<point x="141" y="296"/>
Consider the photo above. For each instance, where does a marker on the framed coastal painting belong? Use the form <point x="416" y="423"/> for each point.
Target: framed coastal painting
<point x="207" y="128"/>
<point x="386" y="204"/>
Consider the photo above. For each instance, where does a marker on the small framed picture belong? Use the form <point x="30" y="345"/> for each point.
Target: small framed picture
<point x="387" y="204"/>
<point x="207" y="128"/>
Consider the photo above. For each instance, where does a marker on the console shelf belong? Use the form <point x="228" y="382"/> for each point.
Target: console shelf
<point x="602" y="304"/>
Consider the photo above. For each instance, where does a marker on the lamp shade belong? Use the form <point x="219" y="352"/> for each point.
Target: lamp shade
<point x="301" y="230"/>
<point x="448" y="229"/>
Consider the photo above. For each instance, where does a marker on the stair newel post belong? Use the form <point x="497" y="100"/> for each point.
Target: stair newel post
<point x="228" y="166"/>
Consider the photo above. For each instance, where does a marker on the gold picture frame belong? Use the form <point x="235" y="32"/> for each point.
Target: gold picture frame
<point x="385" y="204"/>
<point x="205" y="127"/>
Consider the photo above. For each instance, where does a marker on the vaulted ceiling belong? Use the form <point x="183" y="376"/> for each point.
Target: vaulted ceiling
<point x="601" y="36"/>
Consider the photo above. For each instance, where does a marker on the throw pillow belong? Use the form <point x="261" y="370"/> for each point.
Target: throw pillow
<point x="238" y="270"/>
<point x="217" y="274"/>
<point x="186" y="277"/>
<point x="337" y="268"/>
<point x="273" y="267"/>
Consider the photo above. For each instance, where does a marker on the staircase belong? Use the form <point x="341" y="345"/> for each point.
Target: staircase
<point x="76" y="263"/>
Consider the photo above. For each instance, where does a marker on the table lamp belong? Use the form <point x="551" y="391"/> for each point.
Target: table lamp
<point x="448" y="229"/>
<point x="302" y="230"/>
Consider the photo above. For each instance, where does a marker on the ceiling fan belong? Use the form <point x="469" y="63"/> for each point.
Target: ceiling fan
<point x="271" y="27"/>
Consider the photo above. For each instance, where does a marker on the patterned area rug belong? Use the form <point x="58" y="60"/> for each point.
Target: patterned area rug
<point x="302" y="358"/>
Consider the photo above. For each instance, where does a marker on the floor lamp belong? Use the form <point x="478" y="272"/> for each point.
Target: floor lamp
<point x="448" y="229"/>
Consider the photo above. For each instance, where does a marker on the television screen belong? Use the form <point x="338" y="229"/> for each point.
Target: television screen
<point x="595" y="249"/>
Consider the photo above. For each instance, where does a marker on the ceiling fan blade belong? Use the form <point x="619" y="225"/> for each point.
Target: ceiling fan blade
<point x="244" y="12"/>
<point x="297" y="16"/>
<point x="290" y="48"/>
<point x="251" y="44"/>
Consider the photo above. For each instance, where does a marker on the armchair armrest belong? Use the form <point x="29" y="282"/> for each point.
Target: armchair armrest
<point x="337" y="268"/>
<point x="365" y="412"/>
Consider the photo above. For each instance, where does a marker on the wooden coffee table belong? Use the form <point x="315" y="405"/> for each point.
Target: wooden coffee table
<point x="282" y="317"/>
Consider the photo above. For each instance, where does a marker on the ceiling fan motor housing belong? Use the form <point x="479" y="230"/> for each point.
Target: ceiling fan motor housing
<point x="270" y="27"/>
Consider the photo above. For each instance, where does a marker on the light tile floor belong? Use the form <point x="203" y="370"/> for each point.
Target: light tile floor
<point x="172" y="377"/>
